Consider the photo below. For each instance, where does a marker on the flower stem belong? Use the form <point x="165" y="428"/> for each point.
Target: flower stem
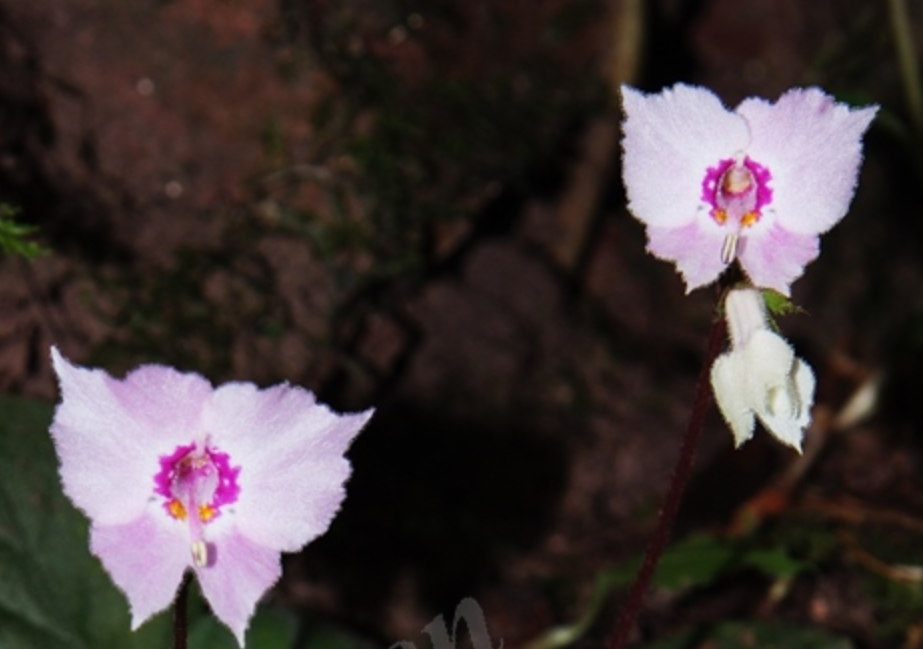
<point x="681" y="472"/>
<point x="180" y="622"/>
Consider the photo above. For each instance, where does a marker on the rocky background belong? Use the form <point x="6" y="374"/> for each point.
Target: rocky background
<point x="418" y="206"/>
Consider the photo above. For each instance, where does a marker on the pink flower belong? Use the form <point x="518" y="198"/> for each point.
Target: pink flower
<point x="177" y="475"/>
<point x="758" y="184"/>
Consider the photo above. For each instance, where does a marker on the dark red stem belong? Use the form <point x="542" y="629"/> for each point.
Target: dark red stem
<point x="681" y="472"/>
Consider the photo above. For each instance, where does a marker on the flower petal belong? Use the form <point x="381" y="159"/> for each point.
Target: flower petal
<point x="694" y="248"/>
<point x="670" y="140"/>
<point x="745" y="312"/>
<point x="240" y="573"/>
<point x="727" y="376"/>
<point x="768" y="358"/>
<point x="107" y="436"/>
<point x="164" y="403"/>
<point x="146" y="559"/>
<point x="292" y="483"/>
<point x="774" y="257"/>
<point x="788" y="427"/>
<point x="761" y="376"/>
<point x="813" y="148"/>
<point x="780" y="387"/>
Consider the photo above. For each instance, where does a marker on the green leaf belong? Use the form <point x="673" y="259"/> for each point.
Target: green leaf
<point x="694" y="561"/>
<point x="269" y="629"/>
<point x="565" y="634"/>
<point x="53" y="593"/>
<point x="323" y="635"/>
<point x="765" y="635"/>
<point x="700" y="558"/>
<point x="775" y="563"/>
<point x="14" y="236"/>
<point x="778" y="304"/>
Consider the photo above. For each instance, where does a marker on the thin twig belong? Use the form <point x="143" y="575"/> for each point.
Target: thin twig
<point x="907" y="60"/>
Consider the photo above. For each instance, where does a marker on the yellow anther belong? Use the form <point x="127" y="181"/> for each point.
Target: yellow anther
<point x="177" y="510"/>
<point x="750" y="218"/>
<point x="206" y="513"/>
<point x="720" y="216"/>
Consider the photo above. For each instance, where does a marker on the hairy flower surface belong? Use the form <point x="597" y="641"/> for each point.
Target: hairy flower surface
<point x="758" y="184"/>
<point x="176" y="475"/>
<point x="760" y="377"/>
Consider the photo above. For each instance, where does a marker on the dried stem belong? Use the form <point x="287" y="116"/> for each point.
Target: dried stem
<point x="907" y="59"/>
<point x="681" y="472"/>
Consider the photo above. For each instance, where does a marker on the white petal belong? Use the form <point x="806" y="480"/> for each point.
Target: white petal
<point x="146" y="558"/>
<point x="787" y="387"/>
<point x="290" y="449"/>
<point x="813" y="148"/>
<point x="670" y="140"/>
<point x="804" y="386"/>
<point x="764" y="379"/>
<point x="768" y="359"/>
<point x="109" y="433"/>
<point x="745" y="310"/>
<point x="728" y="375"/>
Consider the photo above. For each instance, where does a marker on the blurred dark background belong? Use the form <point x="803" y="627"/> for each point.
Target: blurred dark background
<point x="418" y="206"/>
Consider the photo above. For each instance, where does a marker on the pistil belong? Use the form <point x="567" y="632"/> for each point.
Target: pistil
<point x="196" y="481"/>
<point x="737" y="190"/>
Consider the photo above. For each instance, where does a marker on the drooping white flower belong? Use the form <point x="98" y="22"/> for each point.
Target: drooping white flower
<point x="760" y="377"/>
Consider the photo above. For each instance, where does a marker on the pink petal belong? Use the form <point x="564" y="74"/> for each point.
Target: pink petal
<point x="164" y="404"/>
<point x="695" y="248"/>
<point x="813" y="148"/>
<point x="239" y="574"/>
<point x="107" y="458"/>
<point x="146" y="559"/>
<point x="774" y="257"/>
<point x="291" y="485"/>
<point x="670" y="140"/>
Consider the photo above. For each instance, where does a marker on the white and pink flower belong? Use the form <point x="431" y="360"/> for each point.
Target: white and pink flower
<point x="176" y="475"/>
<point x="758" y="184"/>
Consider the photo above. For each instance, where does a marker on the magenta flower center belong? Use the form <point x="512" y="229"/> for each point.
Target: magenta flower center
<point x="737" y="191"/>
<point x="196" y="482"/>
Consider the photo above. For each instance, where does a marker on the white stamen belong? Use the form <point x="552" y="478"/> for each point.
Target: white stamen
<point x="199" y="553"/>
<point x="729" y="249"/>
